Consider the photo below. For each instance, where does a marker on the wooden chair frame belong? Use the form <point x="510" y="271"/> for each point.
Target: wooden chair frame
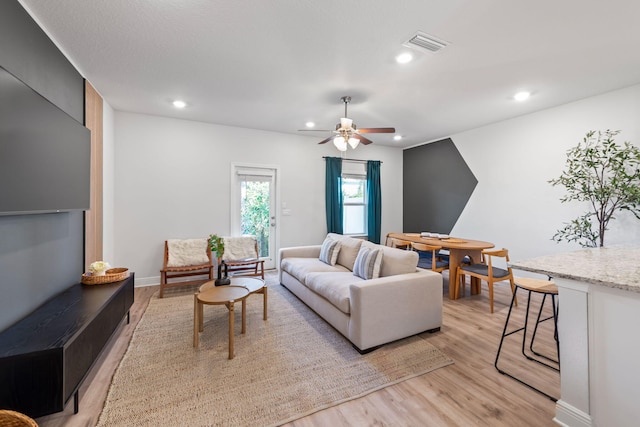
<point x="192" y="270"/>
<point x="487" y="256"/>
<point x="397" y="243"/>
<point x="422" y="247"/>
<point x="246" y="267"/>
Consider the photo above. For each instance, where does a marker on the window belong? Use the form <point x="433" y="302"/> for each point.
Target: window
<point x="354" y="190"/>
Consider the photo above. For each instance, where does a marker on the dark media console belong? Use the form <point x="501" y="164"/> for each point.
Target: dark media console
<point x="45" y="356"/>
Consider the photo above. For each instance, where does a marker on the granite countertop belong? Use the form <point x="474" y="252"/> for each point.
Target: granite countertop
<point x="614" y="267"/>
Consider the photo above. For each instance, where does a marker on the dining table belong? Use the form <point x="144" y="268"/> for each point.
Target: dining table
<point x="458" y="248"/>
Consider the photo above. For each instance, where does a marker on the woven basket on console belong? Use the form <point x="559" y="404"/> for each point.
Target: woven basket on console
<point x="110" y="276"/>
<point x="15" y="419"/>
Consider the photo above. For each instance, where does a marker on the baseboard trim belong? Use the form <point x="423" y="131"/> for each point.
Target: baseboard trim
<point x="146" y="281"/>
<point x="569" y="416"/>
<point x="155" y="280"/>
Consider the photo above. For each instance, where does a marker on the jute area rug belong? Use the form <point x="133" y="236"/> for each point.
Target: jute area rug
<point x="284" y="368"/>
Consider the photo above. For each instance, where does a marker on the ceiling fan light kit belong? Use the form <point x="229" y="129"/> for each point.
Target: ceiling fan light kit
<point x="347" y="134"/>
<point x="340" y="143"/>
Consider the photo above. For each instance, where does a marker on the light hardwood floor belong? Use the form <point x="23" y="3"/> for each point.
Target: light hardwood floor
<point x="469" y="392"/>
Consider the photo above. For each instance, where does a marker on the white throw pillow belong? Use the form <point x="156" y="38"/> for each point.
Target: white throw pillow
<point x="349" y="247"/>
<point x="329" y="251"/>
<point x="368" y="262"/>
<point x="187" y="252"/>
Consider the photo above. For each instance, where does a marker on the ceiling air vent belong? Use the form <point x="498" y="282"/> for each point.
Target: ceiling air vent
<point x="425" y="42"/>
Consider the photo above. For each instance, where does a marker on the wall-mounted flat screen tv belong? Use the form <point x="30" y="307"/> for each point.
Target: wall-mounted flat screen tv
<point x="44" y="153"/>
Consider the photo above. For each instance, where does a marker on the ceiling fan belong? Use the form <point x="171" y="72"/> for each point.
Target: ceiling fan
<point x="346" y="131"/>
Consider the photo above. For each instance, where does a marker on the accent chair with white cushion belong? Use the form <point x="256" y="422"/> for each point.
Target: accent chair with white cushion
<point x="185" y="258"/>
<point x="241" y="256"/>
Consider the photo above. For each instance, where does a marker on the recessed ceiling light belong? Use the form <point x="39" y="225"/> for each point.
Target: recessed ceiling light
<point x="397" y="137"/>
<point x="521" y="96"/>
<point x="179" y="104"/>
<point x="403" y="58"/>
<point x="310" y="124"/>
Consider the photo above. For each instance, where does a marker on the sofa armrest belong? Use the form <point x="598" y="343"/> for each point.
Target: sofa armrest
<point x="297" y="252"/>
<point x="300" y="252"/>
<point x="394" y="307"/>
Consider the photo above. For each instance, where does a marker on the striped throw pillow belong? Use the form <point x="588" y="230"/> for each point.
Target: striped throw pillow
<point x="329" y="251"/>
<point x="368" y="262"/>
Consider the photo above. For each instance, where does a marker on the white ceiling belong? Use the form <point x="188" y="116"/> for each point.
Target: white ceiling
<point x="274" y="65"/>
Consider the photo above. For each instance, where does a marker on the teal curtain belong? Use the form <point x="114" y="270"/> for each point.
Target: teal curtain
<point x="374" y="201"/>
<point x="333" y="194"/>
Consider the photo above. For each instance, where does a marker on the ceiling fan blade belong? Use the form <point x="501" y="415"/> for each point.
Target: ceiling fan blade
<point x="377" y="130"/>
<point x="314" y="130"/>
<point x="324" y="141"/>
<point x="362" y="139"/>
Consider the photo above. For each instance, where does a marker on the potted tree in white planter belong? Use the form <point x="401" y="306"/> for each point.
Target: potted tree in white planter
<point x="606" y="176"/>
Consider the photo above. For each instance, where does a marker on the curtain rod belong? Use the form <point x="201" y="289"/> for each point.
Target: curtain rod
<point x="351" y="160"/>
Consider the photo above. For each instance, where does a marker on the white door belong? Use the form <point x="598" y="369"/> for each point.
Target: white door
<point x="253" y="207"/>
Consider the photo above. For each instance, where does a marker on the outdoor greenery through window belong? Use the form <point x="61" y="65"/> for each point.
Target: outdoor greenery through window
<point x="254" y="206"/>
<point x="354" y="192"/>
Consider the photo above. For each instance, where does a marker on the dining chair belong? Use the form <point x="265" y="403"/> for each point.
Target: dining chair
<point x="429" y="257"/>
<point x="486" y="271"/>
<point x="400" y="244"/>
<point x="394" y="242"/>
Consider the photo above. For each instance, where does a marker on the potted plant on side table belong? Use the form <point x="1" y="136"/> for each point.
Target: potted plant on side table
<point x="216" y="244"/>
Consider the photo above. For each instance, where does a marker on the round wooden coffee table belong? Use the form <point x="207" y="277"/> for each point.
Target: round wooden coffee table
<point x="220" y="295"/>
<point x="253" y="284"/>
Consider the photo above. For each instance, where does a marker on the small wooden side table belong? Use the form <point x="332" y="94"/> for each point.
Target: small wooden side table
<point x="221" y="295"/>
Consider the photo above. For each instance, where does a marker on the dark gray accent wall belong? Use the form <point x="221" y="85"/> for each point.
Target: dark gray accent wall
<point x="437" y="184"/>
<point x="40" y="255"/>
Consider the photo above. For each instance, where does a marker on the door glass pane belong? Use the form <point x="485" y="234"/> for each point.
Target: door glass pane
<point x="255" y="212"/>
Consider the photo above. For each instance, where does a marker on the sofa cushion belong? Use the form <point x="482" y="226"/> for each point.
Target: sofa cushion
<point x="300" y="267"/>
<point x="349" y="248"/>
<point x="329" y="251"/>
<point x="367" y="265"/>
<point x="395" y="261"/>
<point x="334" y="287"/>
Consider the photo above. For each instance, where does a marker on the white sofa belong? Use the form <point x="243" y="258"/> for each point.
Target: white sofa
<point x="403" y="301"/>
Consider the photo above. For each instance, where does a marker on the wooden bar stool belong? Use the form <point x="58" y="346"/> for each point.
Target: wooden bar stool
<point x="546" y="288"/>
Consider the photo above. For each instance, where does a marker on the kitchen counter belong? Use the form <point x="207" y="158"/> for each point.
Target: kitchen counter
<point x="614" y="267"/>
<point x="599" y="306"/>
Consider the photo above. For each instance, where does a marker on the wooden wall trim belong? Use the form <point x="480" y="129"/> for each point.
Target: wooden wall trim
<point x="93" y="217"/>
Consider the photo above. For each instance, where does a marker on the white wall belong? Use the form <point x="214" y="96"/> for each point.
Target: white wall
<point x="172" y="180"/>
<point x="513" y="204"/>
